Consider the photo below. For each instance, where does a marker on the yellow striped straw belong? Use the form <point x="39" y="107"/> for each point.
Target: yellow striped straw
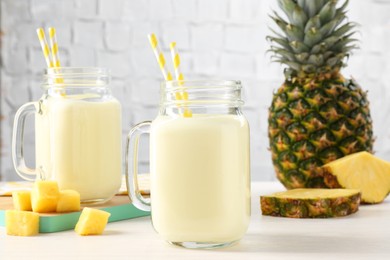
<point x="159" y="56"/>
<point x="176" y="65"/>
<point x="45" y="47"/>
<point x="54" y="52"/>
<point x="183" y="95"/>
<point x="176" y="61"/>
<point x="51" y="57"/>
<point x="162" y="63"/>
<point x="54" y="47"/>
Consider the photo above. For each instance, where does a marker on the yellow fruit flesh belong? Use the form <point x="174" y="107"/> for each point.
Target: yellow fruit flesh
<point x="22" y="200"/>
<point x="365" y="172"/>
<point x="44" y="196"/>
<point x="69" y="200"/>
<point x="315" y="193"/>
<point x="92" y="222"/>
<point x="21" y="223"/>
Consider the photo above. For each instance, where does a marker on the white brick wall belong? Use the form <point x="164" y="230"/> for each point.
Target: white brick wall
<point x="217" y="39"/>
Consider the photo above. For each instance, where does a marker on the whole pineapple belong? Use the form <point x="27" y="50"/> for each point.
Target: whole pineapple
<point x="317" y="115"/>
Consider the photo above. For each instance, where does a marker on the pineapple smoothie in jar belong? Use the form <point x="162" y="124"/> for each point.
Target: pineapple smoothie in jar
<point x="77" y="133"/>
<point x="199" y="163"/>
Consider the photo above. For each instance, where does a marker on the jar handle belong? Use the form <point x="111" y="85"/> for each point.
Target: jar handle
<point x="132" y="145"/>
<point x="20" y="166"/>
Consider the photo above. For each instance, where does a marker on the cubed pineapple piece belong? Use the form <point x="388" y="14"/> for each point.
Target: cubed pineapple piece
<point x="22" y="200"/>
<point x="69" y="200"/>
<point x="92" y="222"/>
<point x="21" y="223"/>
<point x="44" y="196"/>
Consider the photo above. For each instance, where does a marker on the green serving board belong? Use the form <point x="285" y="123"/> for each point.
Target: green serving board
<point x="120" y="208"/>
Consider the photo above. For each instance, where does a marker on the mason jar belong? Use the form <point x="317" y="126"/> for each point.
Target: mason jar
<point x="199" y="164"/>
<point x="77" y="134"/>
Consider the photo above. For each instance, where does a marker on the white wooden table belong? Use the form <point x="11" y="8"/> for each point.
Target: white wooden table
<point x="363" y="235"/>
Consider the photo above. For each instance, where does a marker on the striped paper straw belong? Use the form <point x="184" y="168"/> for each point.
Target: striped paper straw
<point x="54" y="52"/>
<point x="176" y="61"/>
<point x="183" y="95"/>
<point x="159" y="56"/>
<point x="176" y="65"/>
<point x="45" y="47"/>
<point x="46" y="51"/>
<point x="162" y="63"/>
<point x="54" y="47"/>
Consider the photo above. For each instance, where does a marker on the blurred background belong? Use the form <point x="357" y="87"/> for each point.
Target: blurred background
<point x="223" y="39"/>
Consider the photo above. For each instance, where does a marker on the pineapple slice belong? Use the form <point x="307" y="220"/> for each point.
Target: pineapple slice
<point x="362" y="171"/>
<point x="44" y="196"/>
<point x="92" y="222"/>
<point x="22" y="200"/>
<point x="21" y="223"/>
<point x="69" y="200"/>
<point x="311" y="203"/>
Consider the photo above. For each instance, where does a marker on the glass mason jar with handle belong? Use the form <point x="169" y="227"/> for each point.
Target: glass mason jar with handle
<point x="199" y="163"/>
<point x="77" y="134"/>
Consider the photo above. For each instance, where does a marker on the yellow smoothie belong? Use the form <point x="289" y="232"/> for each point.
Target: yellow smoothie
<point x="200" y="179"/>
<point x="78" y="143"/>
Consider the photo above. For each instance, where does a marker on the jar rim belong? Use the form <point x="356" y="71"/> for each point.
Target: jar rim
<point x="76" y="70"/>
<point x="75" y="76"/>
<point x="197" y="93"/>
<point x="201" y="83"/>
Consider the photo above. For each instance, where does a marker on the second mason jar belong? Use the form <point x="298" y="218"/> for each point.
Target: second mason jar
<point x="199" y="163"/>
<point x="77" y="134"/>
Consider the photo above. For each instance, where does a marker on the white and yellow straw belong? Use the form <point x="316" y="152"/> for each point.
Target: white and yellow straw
<point x="159" y="56"/>
<point x="167" y="75"/>
<point x="183" y="95"/>
<point x="176" y="61"/>
<point x="176" y="65"/>
<point x="51" y="57"/>
<point x="45" y="47"/>
<point x="54" y="47"/>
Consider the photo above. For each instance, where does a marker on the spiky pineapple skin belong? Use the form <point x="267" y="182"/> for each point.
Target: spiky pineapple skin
<point x="316" y="116"/>
<point x="310" y="208"/>
<point x="313" y="122"/>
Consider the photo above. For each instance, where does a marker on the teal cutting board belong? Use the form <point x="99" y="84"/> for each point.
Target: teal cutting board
<point x="120" y="208"/>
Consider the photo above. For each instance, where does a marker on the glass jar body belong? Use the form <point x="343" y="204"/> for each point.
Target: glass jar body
<point x="78" y="133"/>
<point x="200" y="165"/>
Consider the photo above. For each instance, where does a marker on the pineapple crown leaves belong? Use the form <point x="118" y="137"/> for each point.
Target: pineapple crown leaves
<point x="314" y="39"/>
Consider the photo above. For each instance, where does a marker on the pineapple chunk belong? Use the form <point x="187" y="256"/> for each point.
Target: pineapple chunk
<point x="311" y="203"/>
<point x="362" y="171"/>
<point x="69" y="200"/>
<point x="44" y="196"/>
<point x="21" y="223"/>
<point x="22" y="200"/>
<point x="92" y="222"/>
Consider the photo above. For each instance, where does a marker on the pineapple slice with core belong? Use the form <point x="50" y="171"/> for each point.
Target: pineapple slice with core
<point x="69" y="200"/>
<point x="22" y="200"/>
<point x="92" y="222"/>
<point x="362" y="171"/>
<point x="21" y="223"/>
<point x="44" y="196"/>
<point x="311" y="203"/>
